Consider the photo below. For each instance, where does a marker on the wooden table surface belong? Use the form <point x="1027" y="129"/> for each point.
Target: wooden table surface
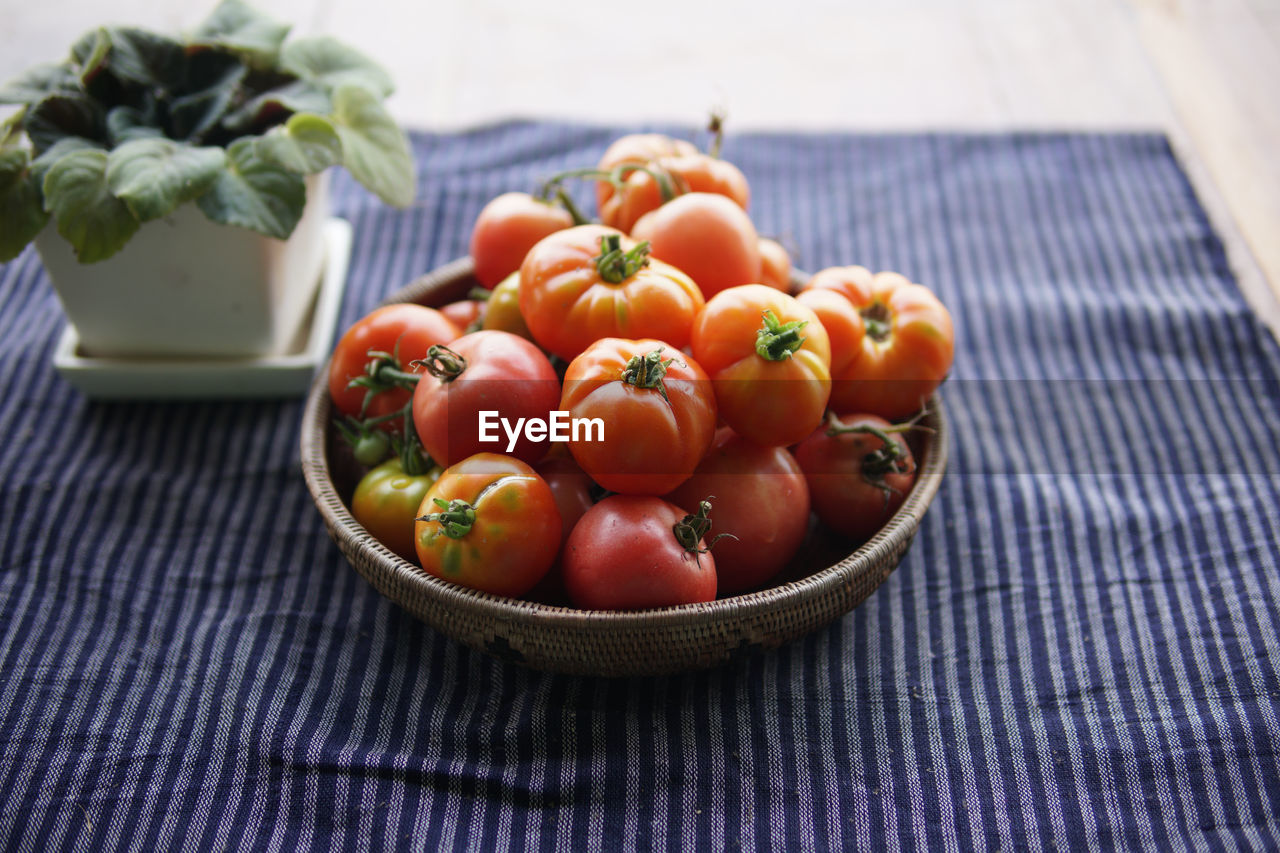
<point x="1205" y="71"/>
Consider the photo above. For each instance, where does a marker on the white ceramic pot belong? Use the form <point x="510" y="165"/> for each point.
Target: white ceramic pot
<point x="188" y="287"/>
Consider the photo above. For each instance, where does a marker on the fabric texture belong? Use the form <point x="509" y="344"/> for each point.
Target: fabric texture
<point x="1078" y="652"/>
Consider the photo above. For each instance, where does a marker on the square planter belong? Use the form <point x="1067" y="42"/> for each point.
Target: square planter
<point x="184" y="286"/>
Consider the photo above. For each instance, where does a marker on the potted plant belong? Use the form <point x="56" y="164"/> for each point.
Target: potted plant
<point x="175" y="189"/>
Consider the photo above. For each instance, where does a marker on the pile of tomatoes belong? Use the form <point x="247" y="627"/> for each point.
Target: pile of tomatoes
<point x="718" y="411"/>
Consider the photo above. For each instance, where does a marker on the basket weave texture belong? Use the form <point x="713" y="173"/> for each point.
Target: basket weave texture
<point x="607" y="643"/>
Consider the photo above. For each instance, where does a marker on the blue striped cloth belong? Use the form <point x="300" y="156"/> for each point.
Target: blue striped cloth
<point x="1079" y="651"/>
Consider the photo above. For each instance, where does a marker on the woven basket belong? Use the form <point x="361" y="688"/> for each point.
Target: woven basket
<point x="823" y="583"/>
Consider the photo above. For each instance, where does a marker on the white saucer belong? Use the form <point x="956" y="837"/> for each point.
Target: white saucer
<point x="287" y="375"/>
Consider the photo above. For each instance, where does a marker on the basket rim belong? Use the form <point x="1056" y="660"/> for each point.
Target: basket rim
<point x="528" y="614"/>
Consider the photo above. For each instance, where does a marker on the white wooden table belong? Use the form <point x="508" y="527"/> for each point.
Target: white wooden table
<point x="1205" y="71"/>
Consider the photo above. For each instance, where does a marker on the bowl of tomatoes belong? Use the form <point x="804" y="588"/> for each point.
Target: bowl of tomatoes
<point x="636" y="446"/>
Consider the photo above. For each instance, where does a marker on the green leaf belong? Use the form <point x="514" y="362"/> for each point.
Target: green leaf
<point x="42" y="164"/>
<point x="37" y="83"/>
<point x="305" y="144"/>
<point x="374" y="149"/>
<point x="213" y="81"/>
<point x="126" y="123"/>
<point x="22" y="213"/>
<point x="253" y="193"/>
<point x="89" y="217"/>
<point x="91" y="53"/>
<point x="300" y="96"/>
<point x="153" y="176"/>
<point x="146" y="59"/>
<point x="330" y="63"/>
<point x="236" y="25"/>
<point x="65" y="115"/>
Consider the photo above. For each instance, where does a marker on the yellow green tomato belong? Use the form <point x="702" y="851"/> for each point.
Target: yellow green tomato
<point x="386" y="502"/>
<point x="503" y="311"/>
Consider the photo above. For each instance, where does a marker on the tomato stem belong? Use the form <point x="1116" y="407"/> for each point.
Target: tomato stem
<point x="616" y="266"/>
<point x="382" y="373"/>
<point x="775" y="340"/>
<point x="579" y="218"/>
<point x="442" y="363"/>
<point x="878" y="321"/>
<point x="690" y="530"/>
<point x="647" y="371"/>
<point x="456" y="517"/>
<point x="715" y="126"/>
<point x="480" y="294"/>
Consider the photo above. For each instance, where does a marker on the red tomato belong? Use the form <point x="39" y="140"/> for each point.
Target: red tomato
<point x="657" y="408"/>
<point x="775" y="265"/>
<point x="859" y="471"/>
<point x="706" y="236"/>
<point x="506" y="229"/>
<point x="571" y="487"/>
<point x="636" y="149"/>
<point x="386" y="501"/>
<point x="769" y="360"/>
<point x="464" y="313"/>
<point x="906" y="351"/>
<point x="642" y="192"/>
<point x="489" y="523"/>
<point x="404" y="330"/>
<point x="625" y="554"/>
<point x="495" y="372"/>
<point x="843" y="324"/>
<point x="760" y="497"/>
<point x="592" y="282"/>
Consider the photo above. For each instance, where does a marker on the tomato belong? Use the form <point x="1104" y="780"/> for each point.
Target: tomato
<point x="760" y="497"/>
<point x="636" y="149"/>
<point x="592" y="282"/>
<point x="489" y="523"/>
<point x="706" y="236"/>
<point x="404" y="330"/>
<point x="386" y="501"/>
<point x="769" y="361"/>
<point x="502" y="313"/>
<point x="506" y="228"/>
<point x="626" y="554"/>
<point x="844" y="326"/>
<point x="859" y="470"/>
<point x="775" y="265"/>
<point x="571" y="487"/>
<point x="466" y="314"/>
<point x="657" y="408"/>
<point x="642" y="192"/>
<point x="494" y="372"/>
<point x="906" y="351"/>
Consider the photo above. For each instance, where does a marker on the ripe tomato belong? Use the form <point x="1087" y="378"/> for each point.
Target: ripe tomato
<point x="769" y="360"/>
<point x="489" y="523"/>
<point x="775" y="265"/>
<point x="760" y="497"/>
<point x="642" y="192"/>
<point x="570" y="486"/>
<point x="506" y="228"/>
<point x="906" y="351"/>
<point x="626" y="554"/>
<point x="706" y="236"/>
<point x="483" y="371"/>
<point x="657" y="408"/>
<point x="405" y="331"/>
<point x="844" y="326"/>
<point x="502" y="312"/>
<point x="859" y="471"/>
<point x="636" y="149"/>
<point x="386" y="501"/>
<point x="465" y="313"/>
<point x="592" y="282"/>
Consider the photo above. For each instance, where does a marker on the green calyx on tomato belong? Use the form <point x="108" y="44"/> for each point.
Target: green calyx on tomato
<point x="382" y="373"/>
<point x="691" y="529"/>
<point x="456" y="517"/>
<point x="776" y="341"/>
<point x="442" y="363"/>
<point x="878" y="321"/>
<point x="616" y="266"/>
<point x="889" y="458"/>
<point x="646" y="371"/>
